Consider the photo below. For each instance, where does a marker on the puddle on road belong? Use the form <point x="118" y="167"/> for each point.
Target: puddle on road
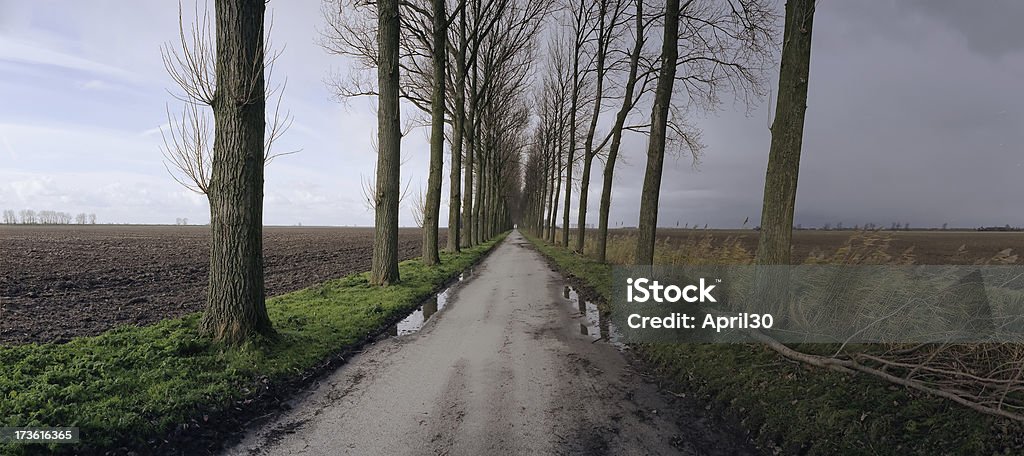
<point x="415" y="321"/>
<point x="593" y="323"/>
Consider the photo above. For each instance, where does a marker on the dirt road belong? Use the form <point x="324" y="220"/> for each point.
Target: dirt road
<point x="503" y="369"/>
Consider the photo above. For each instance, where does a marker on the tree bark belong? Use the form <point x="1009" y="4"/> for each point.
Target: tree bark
<point x="656" y="145"/>
<point x="235" y="304"/>
<point x="389" y="136"/>
<point x="787" y="129"/>
<point x="433" y="203"/>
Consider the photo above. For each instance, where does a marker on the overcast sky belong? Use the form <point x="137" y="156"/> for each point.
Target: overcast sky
<point x="915" y="114"/>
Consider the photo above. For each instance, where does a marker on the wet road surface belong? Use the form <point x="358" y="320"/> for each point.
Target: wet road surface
<point x="502" y="369"/>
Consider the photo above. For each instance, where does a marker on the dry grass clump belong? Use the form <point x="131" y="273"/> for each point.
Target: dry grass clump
<point x="703" y="250"/>
<point x="864" y="248"/>
<point x="861" y="248"/>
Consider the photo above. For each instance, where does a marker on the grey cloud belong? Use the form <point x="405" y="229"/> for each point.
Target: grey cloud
<point x="991" y="27"/>
<point x="906" y="122"/>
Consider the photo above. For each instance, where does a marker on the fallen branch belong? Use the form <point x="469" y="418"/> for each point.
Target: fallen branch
<point x="851" y="366"/>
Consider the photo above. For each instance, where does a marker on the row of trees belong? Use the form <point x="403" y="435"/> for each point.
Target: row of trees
<point x="609" y="73"/>
<point x="31" y="217"/>
<point x="459" y="67"/>
<point x="462" y="69"/>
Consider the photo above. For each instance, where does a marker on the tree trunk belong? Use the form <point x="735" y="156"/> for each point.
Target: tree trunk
<point x="467" y="195"/>
<point x="485" y="232"/>
<point x="558" y="192"/>
<point x="389" y="136"/>
<point x="588" y="156"/>
<point x="573" y="102"/>
<point x="549" y="181"/>
<point x="492" y="214"/>
<point x="455" y="189"/>
<point x="656" y="145"/>
<point x="235" y="304"/>
<point x="458" y="130"/>
<point x="787" y="136"/>
<point x="432" y="211"/>
<point x="545" y="195"/>
<point x="483" y="198"/>
<point x="613" y="149"/>
<point x="478" y="193"/>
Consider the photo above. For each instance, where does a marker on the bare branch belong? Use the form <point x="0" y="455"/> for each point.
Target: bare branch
<point x="187" y="142"/>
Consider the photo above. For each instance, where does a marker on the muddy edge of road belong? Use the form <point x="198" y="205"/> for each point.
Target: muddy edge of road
<point x="685" y="406"/>
<point x="211" y="431"/>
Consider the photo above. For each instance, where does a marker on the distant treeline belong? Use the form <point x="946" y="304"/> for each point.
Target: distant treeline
<point x="865" y="227"/>
<point x="1001" y="228"/>
<point x="30" y="217"/>
<point x="903" y="227"/>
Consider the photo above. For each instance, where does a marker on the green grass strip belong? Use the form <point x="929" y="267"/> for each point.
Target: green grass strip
<point x="135" y="383"/>
<point x="797" y="409"/>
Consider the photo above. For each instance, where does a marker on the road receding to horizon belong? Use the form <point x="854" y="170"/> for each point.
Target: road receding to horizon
<point x="503" y="369"/>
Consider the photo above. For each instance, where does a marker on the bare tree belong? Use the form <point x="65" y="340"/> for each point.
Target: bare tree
<point x="502" y="65"/>
<point x="82" y="218"/>
<point x="787" y="130"/>
<point x="581" y="31"/>
<point x="470" y="235"/>
<point x="188" y="141"/>
<point x="727" y="47"/>
<point x="431" y="213"/>
<point x="610" y="21"/>
<point x="421" y="54"/>
<point x="629" y="100"/>
<point x="656" y="145"/>
<point x="229" y="75"/>
<point x="92" y="219"/>
<point x="557" y="92"/>
<point x="487" y="50"/>
<point x="9" y="217"/>
<point x="49" y="217"/>
<point x="458" y="136"/>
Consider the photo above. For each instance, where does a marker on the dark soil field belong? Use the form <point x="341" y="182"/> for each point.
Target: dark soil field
<point x="929" y="247"/>
<point x="59" y="282"/>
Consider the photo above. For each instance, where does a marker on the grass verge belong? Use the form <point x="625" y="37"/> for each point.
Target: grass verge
<point x="792" y="408"/>
<point x="132" y="385"/>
